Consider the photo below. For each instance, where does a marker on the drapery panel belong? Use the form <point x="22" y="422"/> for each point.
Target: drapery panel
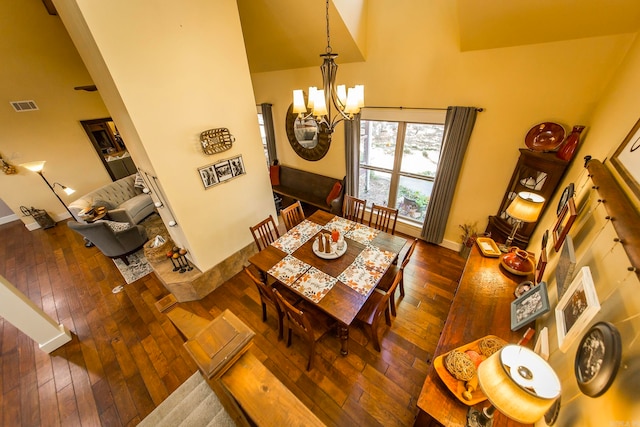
<point x="457" y="132"/>
<point x="352" y="154"/>
<point x="267" y="118"/>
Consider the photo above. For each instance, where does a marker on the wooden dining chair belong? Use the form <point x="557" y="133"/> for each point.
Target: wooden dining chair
<point x="353" y="208"/>
<point x="268" y="298"/>
<point x="292" y="215"/>
<point x="375" y="307"/>
<point x="383" y="218"/>
<point x="388" y="278"/>
<point x="309" y="323"/>
<point x="265" y="232"/>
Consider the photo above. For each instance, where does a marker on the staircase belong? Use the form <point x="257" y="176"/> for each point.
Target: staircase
<point x="193" y="404"/>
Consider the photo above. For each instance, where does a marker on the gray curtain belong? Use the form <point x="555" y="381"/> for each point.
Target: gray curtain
<point x="267" y="117"/>
<point x="352" y="153"/>
<point x="457" y="131"/>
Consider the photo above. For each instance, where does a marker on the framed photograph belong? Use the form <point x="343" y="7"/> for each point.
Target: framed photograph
<point x="626" y="159"/>
<point x="563" y="225"/>
<point x="208" y="176"/>
<point x="221" y="171"/>
<point x="566" y="266"/>
<point x="529" y="306"/>
<point x="576" y="308"/>
<point x="598" y="359"/>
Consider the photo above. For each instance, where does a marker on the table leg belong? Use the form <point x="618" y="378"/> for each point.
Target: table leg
<point x="343" y="334"/>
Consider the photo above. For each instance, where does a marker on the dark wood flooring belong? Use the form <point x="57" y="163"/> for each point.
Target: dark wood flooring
<point x="126" y="357"/>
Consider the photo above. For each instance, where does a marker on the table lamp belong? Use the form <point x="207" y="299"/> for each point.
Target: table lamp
<point x="519" y="383"/>
<point x="526" y="207"/>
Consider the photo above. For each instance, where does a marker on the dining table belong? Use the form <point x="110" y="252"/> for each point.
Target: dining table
<point x="337" y="283"/>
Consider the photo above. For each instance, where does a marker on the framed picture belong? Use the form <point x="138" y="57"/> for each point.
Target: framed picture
<point x="564" y="223"/>
<point x="598" y="359"/>
<point x="221" y="171"/>
<point x="208" y="176"/>
<point x="566" y="266"/>
<point x="542" y="260"/>
<point x="529" y="306"/>
<point x="626" y="159"/>
<point x="576" y="308"/>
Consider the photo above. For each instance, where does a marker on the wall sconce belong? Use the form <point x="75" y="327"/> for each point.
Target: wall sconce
<point x="526" y="207"/>
<point x="37" y="167"/>
<point x="519" y="383"/>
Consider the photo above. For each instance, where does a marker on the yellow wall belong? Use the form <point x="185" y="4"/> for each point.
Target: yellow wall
<point x="413" y="60"/>
<point x="617" y="288"/>
<point x="169" y="75"/>
<point x="40" y="63"/>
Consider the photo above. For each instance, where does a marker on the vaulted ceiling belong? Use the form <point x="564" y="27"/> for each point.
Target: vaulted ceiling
<point x="287" y="34"/>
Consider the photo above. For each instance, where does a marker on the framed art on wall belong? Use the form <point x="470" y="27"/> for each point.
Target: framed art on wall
<point x="221" y="171"/>
<point x="564" y="223"/>
<point x="576" y="308"/>
<point x="598" y="359"/>
<point x="566" y="266"/>
<point x="529" y="306"/>
<point x="626" y="159"/>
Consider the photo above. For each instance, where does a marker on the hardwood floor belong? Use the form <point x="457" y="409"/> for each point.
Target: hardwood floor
<point x="126" y="357"/>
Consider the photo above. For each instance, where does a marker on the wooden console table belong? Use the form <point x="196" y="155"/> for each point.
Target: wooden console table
<point x="481" y="306"/>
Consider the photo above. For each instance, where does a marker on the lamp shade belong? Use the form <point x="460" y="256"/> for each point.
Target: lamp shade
<point x="519" y="383"/>
<point x="526" y="207"/>
<point x="34" y="166"/>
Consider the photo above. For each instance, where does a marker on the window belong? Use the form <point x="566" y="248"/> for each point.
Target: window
<point x="398" y="163"/>
<point x="263" y="135"/>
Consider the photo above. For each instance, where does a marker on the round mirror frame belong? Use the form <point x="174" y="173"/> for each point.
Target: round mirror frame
<point x="312" y="154"/>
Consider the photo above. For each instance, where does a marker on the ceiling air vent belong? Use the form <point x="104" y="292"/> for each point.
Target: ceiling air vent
<point x="20" y="106"/>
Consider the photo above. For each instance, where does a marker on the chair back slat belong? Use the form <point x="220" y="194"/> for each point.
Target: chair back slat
<point x="265" y="232"/>
<point x="292" y="215"/>
<point x="383" y="218"/>
<point x="407" y="257"/>
<point x="353" y="208"/>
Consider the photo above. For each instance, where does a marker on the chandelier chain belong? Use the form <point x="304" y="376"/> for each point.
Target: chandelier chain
<point x="328" y="36"/>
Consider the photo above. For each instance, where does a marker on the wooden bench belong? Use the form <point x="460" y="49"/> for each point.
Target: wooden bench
<point x="309" y="188"/>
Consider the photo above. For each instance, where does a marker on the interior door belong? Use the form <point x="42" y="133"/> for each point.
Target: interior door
<point x="112" y="150"/>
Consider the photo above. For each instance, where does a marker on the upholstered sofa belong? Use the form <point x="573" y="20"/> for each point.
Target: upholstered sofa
<point x="124" y="201"/>
<point x="112" y="243"/>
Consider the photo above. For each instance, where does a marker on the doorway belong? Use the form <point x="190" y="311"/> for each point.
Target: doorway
<point x="112" y="150"/>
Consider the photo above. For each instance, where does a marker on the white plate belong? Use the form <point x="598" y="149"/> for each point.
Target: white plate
<point x="334" y="251"/>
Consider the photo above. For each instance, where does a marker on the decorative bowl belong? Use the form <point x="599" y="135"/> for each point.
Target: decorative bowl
<point x="545" y="136"/>
<point x="518" y="261"/>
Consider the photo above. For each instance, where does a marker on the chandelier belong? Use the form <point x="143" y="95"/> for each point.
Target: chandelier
<point x="331" y="104"/>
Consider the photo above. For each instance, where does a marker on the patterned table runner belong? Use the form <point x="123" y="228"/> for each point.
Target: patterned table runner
<point x="314" y="284"/>
<point x="362" y="234"/>
<point x="367" y="269"/>
<point x="343" y="225"/>
<point x="297" y="236"/>
<point x="288" y="269"/>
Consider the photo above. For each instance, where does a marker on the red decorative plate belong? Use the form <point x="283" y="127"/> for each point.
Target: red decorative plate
<point x="545" y="137"/>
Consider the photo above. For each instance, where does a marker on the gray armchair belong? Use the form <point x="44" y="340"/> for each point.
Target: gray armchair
<point x="112" y="244"/>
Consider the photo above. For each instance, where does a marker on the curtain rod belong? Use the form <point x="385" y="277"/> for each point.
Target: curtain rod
<point x="418" y="108"/>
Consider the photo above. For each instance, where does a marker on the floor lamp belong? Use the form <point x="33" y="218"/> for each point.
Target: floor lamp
<point x="37" y="168"/>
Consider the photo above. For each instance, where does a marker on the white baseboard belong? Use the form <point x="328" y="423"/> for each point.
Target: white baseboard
<point x="9" y="218"/>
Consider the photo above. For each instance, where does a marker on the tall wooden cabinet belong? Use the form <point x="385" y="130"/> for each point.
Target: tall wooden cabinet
<point x="535" y="172"/>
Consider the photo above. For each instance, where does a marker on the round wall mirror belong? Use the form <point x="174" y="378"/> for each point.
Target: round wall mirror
<point x="305" y="137"/>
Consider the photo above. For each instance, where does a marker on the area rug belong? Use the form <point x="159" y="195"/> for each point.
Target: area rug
<point x="138" y="267"/>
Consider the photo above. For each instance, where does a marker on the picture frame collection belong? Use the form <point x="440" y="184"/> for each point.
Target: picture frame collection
<point x="221" y="171"/>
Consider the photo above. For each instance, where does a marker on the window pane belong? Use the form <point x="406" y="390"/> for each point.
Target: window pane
<point x="378" y="143"/>
<point x="374" y="187"/>
<point x="413" y="196"/>
<point x="421" y="150"/>
<point x="263" y="135"/>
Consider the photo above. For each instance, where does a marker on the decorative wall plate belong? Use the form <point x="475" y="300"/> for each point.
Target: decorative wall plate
<point x="598" y="359"/>
<point x="546" y="136"/>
